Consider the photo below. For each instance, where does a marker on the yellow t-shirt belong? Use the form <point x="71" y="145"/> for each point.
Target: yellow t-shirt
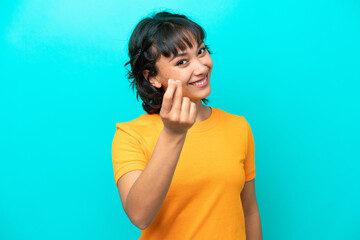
<point x="203" y="201"/>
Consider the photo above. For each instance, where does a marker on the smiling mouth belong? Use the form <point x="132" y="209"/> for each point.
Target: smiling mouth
<point x="201" y="81"/>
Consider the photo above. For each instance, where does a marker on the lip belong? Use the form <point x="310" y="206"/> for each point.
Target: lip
<point x="203" y="85"/>
<point x="199" y="79"/>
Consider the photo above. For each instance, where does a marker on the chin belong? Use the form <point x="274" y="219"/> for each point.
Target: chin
<point x="204" y="95"/>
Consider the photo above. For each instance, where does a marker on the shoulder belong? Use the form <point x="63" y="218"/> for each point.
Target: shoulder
<point x="229" y="117"/>
<point x="141" y="125"/>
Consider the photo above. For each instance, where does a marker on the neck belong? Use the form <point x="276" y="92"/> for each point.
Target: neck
<point x="203" y="112"/>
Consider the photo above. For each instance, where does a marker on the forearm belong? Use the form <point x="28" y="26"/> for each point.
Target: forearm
<point x="146" y="196"/>
<point x="253" y="226"/>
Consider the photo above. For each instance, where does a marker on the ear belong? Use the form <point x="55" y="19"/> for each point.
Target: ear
<point x="152" y="79"/>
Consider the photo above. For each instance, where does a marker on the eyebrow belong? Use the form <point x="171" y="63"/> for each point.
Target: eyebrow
<point x="179" y="55"/>
<point x="184" y="53"/>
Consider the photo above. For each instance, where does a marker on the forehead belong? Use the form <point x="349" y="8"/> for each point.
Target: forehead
<point x="172" y="43"/>
<point x="188" y="49"/>
<point x="180" y="52"/>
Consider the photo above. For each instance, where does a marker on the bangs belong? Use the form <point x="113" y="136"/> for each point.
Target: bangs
<point x="173" y="37"/>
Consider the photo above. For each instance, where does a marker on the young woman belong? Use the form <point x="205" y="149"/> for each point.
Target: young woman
<point x="184" y="170"/>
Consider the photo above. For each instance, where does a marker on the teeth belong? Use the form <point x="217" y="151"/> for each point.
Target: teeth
<point x="199" y="83"/>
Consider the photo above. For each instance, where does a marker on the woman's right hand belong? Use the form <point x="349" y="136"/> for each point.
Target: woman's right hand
<point x="178" y="113"/>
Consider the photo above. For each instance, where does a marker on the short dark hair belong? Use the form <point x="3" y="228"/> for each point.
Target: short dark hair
<point x="162" y="34"/>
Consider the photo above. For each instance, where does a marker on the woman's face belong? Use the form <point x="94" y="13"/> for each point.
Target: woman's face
<point x="193" y="65"/>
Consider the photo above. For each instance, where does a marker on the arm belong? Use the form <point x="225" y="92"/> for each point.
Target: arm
<point x="251" y="211"/>
<point x="143" y="192"/>
<point x="147" y="189"/>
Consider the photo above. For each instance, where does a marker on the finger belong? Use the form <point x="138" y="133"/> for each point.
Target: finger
<point x="168" y="97"/>
<point x="185" y="107"/>
<point x="176" y="105"/>
<point x="193" y="111"/>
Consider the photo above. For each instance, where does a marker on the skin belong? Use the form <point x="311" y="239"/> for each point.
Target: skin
<point x="190" y="65"/>
<point x="251" y="211"/>
<point x="143" y="192"/>
<point x="181" y="108"/>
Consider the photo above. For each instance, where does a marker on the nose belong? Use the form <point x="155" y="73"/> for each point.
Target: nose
<point x="200" y="68"/>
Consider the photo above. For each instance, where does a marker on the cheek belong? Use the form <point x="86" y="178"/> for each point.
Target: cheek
<point x="180" y="74"/>
<point x="164" y="76"/>
<point x="210" y="62"/>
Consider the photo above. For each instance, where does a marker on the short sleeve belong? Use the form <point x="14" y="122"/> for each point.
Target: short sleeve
<point x="127" y="153"/>
<point x="249" y="163"/>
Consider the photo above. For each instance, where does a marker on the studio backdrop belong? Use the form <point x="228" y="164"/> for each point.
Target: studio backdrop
<point x="291" y="68"/>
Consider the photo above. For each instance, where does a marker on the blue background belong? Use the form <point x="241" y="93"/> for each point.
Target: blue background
<point x="291" y="68"/>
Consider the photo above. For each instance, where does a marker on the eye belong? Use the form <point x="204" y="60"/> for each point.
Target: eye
<point x="181" y="62"/>
<point x="202" y="50"/>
